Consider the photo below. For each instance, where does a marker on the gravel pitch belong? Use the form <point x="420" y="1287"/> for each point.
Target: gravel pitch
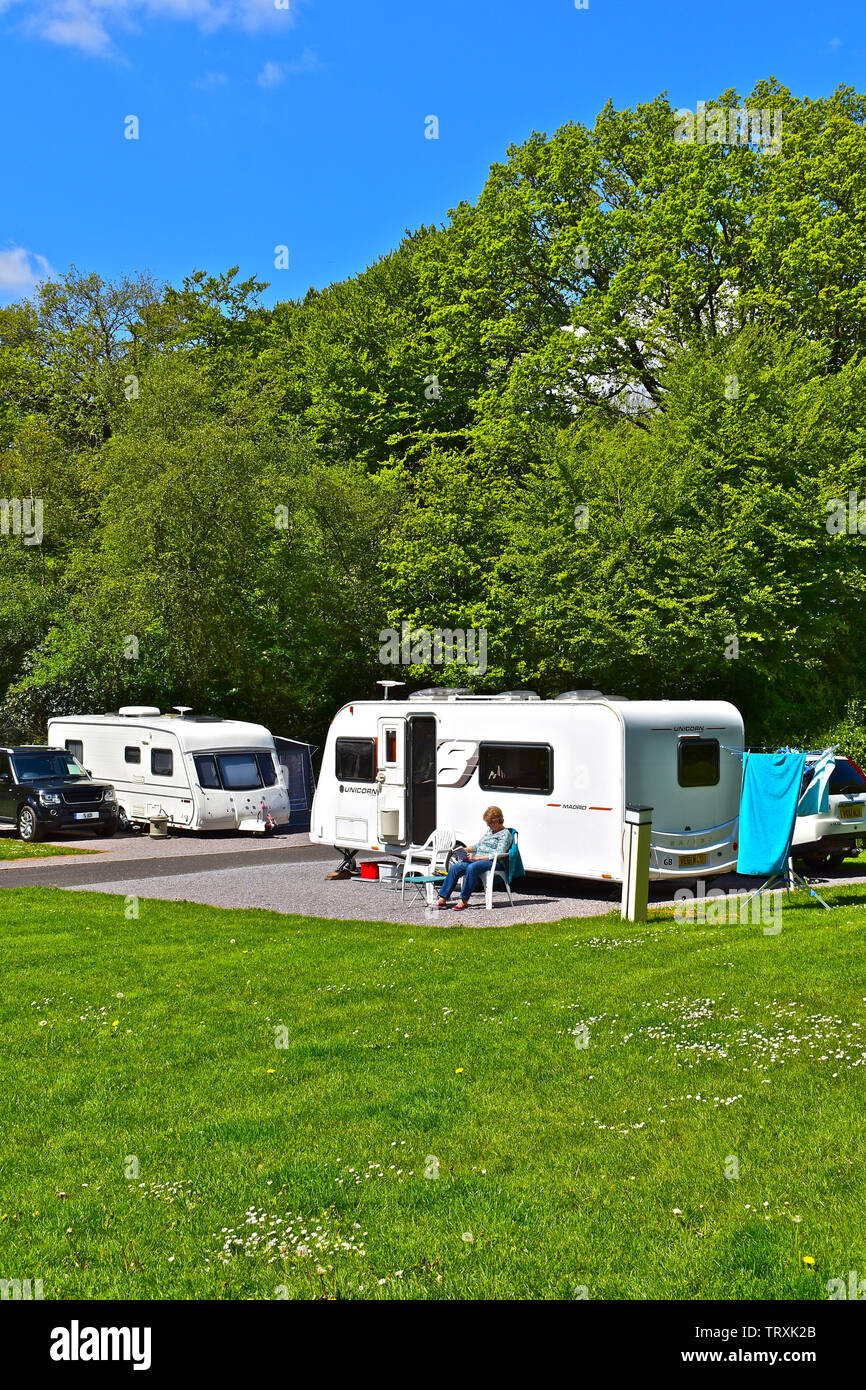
<point x="302" y="888"/>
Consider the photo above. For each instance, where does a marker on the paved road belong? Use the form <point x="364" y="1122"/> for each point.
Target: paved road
<point x="72" y="872"/>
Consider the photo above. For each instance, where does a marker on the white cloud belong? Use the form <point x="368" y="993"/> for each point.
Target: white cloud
<point x="272" y="74"/>
<point x="308" y="62"/>
<point x="20" y="270"/>
<point x="89" y="25"/>
<point x="73" y="25"/>
<point x="211" y="80"/>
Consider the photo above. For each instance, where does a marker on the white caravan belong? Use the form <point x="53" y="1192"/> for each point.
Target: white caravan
<point x="562" y="770"/>
<point x="199" y="770"/>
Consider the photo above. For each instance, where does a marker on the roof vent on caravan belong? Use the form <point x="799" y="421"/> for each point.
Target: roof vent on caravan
<point x="440" y="692"/>
<point x="581" y="695"/>
<point x="517" y="695"/>
<point x="138" y="711"/>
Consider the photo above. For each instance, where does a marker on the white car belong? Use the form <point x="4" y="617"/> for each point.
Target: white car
<point x="826" y="840"/>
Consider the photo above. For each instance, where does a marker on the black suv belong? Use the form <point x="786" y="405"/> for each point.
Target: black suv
<point x="44" y="790"/>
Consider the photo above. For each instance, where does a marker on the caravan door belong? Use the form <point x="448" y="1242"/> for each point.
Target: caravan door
<point x="392" y="781"/>
<point x="422" y="777"/>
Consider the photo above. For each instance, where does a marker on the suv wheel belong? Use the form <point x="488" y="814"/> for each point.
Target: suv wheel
<point x="29" y="827"/>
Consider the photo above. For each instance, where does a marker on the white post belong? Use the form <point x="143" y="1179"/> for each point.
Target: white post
<point x="635" y="870"/>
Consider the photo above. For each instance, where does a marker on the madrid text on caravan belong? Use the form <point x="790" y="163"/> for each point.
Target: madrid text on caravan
<point x="421" y="647"/>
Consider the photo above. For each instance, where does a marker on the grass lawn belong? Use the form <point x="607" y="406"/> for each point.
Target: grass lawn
<point x="17" y="849"/>
<point x="446" y="1113"/>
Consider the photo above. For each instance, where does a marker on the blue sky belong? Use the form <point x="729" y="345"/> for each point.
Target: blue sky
<point x="304" y="127"/>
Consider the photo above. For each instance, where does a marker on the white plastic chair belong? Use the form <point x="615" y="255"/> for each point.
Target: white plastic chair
<point x="433" y="857"/>
<point x="500" y="870"/>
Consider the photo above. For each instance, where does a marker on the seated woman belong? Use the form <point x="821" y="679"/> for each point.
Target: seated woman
<point x="478" y="859"/>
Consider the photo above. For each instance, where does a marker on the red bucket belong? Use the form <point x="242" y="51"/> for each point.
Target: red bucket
<point x="370" y="869"/>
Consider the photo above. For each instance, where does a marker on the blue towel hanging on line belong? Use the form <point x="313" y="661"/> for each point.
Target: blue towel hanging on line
<point x="815" y="800"/>
<point x="768" y="809"/>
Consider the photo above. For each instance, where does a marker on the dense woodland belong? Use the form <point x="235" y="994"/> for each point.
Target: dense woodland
<point x="670" y="337"/>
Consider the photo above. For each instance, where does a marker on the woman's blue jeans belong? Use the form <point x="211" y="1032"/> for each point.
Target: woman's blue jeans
<point x="471" y="874"/>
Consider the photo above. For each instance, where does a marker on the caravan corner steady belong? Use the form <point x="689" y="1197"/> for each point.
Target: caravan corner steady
<point x="562" y="770"/>
<point x="201" y="771"/>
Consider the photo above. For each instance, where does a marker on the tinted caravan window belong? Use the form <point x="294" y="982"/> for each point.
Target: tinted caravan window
<point x="698" y="762"/>
<point x="132" y="755"/>
<point x="76" y="748"/>
<point x="161" y="762"/>
<point x="239" y="771"/>
<point x="515" y="767"/>
<point x="267" y="769"/>
<point x="205" y="766"/>
<point x="355" y="760"/>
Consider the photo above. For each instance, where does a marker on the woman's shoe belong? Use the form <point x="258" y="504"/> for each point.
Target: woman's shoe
<point x="459" y="906"/>
<point x="440" y="902"/>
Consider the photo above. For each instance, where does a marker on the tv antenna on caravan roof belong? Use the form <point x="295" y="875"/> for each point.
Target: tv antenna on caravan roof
<point x="388" y="686"/>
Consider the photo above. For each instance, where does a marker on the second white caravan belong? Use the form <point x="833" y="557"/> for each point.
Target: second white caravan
<point x="562" y="770"/>
<point x="199" y="770"/>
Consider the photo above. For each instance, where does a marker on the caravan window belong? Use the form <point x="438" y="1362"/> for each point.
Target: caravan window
<point x="132" y="755"/>
<point x="239" y="771"/>
<point x="267" y="769"/>
<point x="356" y="760"/>
<point x="515" y="767"/>
<point x="390" y="745"/>
<point x="76" y="748"/>
<point x="698" y="762"/>
<point x="206" y="767"/>
<point x="161" y="762"/>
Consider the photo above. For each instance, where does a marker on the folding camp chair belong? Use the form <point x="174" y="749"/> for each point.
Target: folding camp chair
<point x="433" y="859"/>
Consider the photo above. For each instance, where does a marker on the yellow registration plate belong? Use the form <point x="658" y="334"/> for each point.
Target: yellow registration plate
<point x="686" y="860"/>
<point x="851" y="811"/>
